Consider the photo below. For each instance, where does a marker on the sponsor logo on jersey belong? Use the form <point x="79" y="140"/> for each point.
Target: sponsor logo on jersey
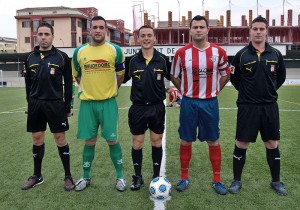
<point x="96" y="65"/>
<point x="249" y="69"/>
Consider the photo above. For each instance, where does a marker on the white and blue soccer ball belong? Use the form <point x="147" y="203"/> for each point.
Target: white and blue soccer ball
<point x="160" y="188"/>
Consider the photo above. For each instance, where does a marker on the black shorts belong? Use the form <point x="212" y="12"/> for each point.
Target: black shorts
<point x="142" y="117"/>
<point x="41" y="112"/>
<point x="253" y="118"/>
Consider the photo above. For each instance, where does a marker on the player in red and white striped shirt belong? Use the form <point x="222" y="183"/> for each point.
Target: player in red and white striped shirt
<point x="200" y="71"/>
<point x="174" y="96"/>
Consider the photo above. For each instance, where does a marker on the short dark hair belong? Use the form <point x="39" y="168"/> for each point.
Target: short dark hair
<point x="99" y="18"/>
<point x="45" y="24"/>
<point x="145" y="26"/>
<point x="260" y="19"/>
<point x="199" y="17"/>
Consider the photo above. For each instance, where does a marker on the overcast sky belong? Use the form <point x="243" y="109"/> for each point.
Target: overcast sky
<point x="122" y="9"/>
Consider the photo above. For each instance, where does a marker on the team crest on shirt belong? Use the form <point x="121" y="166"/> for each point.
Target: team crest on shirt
<point x="52" y="71"/>
<point x="214" y="58"/>
<point x="158" y="73"/>
<point x="272" y="68"/>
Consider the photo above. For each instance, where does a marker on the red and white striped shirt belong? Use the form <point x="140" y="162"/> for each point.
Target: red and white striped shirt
<point x="200" y="70"/>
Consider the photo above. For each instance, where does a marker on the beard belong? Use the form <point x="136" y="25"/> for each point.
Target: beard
<point x="98" y="41"/>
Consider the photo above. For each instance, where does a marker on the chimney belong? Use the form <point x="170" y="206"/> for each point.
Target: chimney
<point x="183" y="23"/>
<point x="222" y="20"/>
<point x="145" y="18"/>
<point x="273" y="22"/>
<point x="244" y="20"/>
<point x="290" y="17"/>
<point x="189" y="16"/>
<point x="207" y="15"/>
<point x="169" y="19"/>
<point x="250" y="16"/>
<point x="282" y="20"/>
<point x="268" y="15"/>
<point x="228" y="18"/>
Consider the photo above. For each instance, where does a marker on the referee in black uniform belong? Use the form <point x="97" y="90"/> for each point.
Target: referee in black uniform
<point x="147" y="68"/>
<point x="48" y="81"/>
<point x="258" y="71"/>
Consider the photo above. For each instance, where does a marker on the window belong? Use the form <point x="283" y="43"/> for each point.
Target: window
<point x="83" y="24"/>
<point x="35" y="42"/>
<point x="35" y="25"/>
<point x="126" y="38"/>
<point x="73" y="37"/>
<point x="79" y="24"/>
<point x="79" y="39"/>
<point x="27" y="39"/>
<point x="116" y="35"/>
<point x="86" y="24"/>
<point x="85" y="39"/>
<point x="51" y="22"/>
<point x="73" y="24"/>
<point x="26" y="24"/>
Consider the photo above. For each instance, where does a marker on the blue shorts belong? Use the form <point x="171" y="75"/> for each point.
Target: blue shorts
<point x="200" y="115"/>
<point x="179" y="101"/>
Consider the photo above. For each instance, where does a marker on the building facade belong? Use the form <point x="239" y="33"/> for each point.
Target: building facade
<point x="8" y="45"/>
<point x="222" y="32"/>
<point x="71" y="27"/>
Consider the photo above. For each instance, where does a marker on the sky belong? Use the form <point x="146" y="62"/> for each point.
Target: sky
<point x="122" y="9"/>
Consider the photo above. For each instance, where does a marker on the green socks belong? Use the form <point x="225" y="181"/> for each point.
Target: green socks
<point x="116" y="157"/>
<point x="87" y="159"/>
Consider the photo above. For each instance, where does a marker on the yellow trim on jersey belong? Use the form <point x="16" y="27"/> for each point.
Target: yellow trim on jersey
<point x="148" y="60"/>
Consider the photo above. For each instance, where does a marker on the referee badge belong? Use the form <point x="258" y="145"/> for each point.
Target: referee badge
<point x="158" y="76"/>
<point x="272" y="68"/>
<point x="52" y="71"/>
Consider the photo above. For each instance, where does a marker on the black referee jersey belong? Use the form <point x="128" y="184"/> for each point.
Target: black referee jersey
<point x="257" y="76"/>
<point x="147" y="80"/>
<point x="49" y="76"/>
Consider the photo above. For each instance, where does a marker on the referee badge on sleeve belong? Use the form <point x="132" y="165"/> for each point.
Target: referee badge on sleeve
<point x="272" y="68"/>
<point x="52" y="71"/>
<point x="158" y="76"/>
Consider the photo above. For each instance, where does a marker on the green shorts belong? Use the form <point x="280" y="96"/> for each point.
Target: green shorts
<point x="94" y="113"/>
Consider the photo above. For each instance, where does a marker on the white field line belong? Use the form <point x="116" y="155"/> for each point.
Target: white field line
<point x="160" y="205"/>
<point x="124" y="108"/>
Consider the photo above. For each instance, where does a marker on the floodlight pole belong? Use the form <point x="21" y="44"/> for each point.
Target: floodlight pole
<point x="178" y="20"/>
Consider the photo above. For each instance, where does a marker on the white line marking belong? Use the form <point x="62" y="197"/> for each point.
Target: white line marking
<point x="124" y="108"/>
<point x="160" y="205"/>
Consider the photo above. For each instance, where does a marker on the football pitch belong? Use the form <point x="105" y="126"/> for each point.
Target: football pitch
<point x="17" y="165"/>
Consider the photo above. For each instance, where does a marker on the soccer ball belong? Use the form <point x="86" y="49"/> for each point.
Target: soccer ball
<point x="160" y="188"/>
